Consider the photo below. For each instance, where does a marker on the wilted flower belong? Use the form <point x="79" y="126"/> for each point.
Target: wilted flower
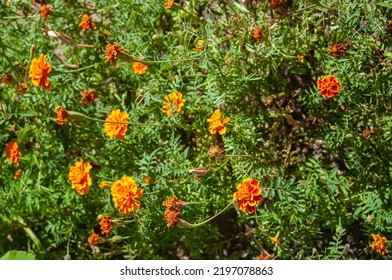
<point x="93" y="239"/>
<point x="337" y="49"/>
<point x="216" y="151"/>
<point x="39" y="70"/>
<point x="18" y="174"/>
<point x="87" y="23"/>
<point x="12" y="153"/>
<point x="113" y="50"/>
<point x="6" y="79"/>
<point x="147" y="180"/>
<point x="378" y="245"/>
<point x="116" y="124"/>
<point x="124" y="193"/>
<point x="217" y="123"/>
<point x="62" y="115"/>
<point x="106" y="224"/>
<point x="45" y="10"/>
<point x="22" y="88"/>
<point x="79" y="175"/>
<point x="248" y="195"/>
<point x="329" y="86"/>
<point x="173" y="210"/>
<point x="173" y="103"/>
<point x="89" y="95"/>
<point x="273" y="4"/>
<point x="139" y="68"/>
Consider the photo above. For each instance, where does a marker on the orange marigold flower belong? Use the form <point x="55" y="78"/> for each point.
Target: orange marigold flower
<point x="62" y="115"/>
<point x="39" y="70"/>
<point x="248" y="194"/>
<point x="18" y="174"/>
<point x="337" y="49"/>
<point x="263" y="256"/>
<point x="124" y="193"/>
<point x="173" y="103"/>
<point x="329" y="86"/>
<point x="112" y="50"/>
<point x="79" y="175"/>
<point x="275" y="240"/>
<point x="45" y="10"/>
<point x="273" y="4"/>
<point x="12" y="153"/>
<point x="93" y="239"/>
<point x="173" y="210"/>
<point x="169" y="4"/>
<point x="89" y="95"/>
<point x="378" y="245"/>
<point x="87" y="23"/>
<point x="116" y="124"/>
<point x="106" y="224"/>
<point x="104" y="185"/>
<point x="217" y="123"/>
<point x="199" y="46"/>
<point x="147" y="180"/>
<point x="22" y="88"/>
<point x="6" y="79"/>
<point x="139" y="68"/>
<point x="257" y="34"/>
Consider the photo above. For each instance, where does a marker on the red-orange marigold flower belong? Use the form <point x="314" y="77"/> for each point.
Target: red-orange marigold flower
<point x="6" y="79"/>
<point x="79" y="175"/>
<point x="62" y="115"/>
<point x="248" y="194"/>
<point x="139" y="68"/>
<point x="12" y="153"/>
<point x="173" y="210"/>
<point x="45" y="10"/>
<point x="18" y="174"/>
<point x="263" y="256"/>
<point x="217" y="123"/>
<point x="337" y="49"/>
<point x="169" y="4"/>
<point x="378" y="245"/>
<point x="116" y="124"/>
<point x="106" y="224"/>
<point x="89" y="95"/>
<point x="113" y="50"/>
<point x="125" y="194"/>
<point x="257" y="34"/>
<point x="39" y="70"/>
<point x="173" y="103"/>
<point x="22" y="88"/>
<point x="87" y="23"/>
<point x="93" y="239"/>
<point x="273" y="4"/>
<point x="329" y="86"/>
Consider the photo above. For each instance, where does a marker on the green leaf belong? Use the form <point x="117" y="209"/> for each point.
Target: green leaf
<point x="18" y="255"/>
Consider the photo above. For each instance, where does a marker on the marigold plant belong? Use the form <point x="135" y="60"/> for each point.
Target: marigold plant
<point x="139" y="68"/>
<point x="62" y="115"/>
<point x="112" y="51"/>
<point x="106" y="224"/>
<point x="93" y="239"/>
<point x="89" y="95"/>
<point x="173" y="210"/>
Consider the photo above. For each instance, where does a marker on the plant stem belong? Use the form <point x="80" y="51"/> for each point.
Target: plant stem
<point x="213" y="217"/>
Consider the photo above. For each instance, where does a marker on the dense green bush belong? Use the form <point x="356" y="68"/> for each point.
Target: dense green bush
<point x="323" y="164"/>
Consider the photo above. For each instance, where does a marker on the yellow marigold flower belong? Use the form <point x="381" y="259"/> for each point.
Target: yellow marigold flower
<point x="173" y="103"/>
<point x="18" y="174"/>
<point x="337" y="49"/>
<point x="263" y="256"/>
<point x="79" y="175"/>
<point x="217" y="123"/>
<point x="248" y="194"/>
<point x="62" y="115"/>
<point x="106" y="224"/>
<point x="87" y="23"/>
<point x="329" y="86"/>
<point x="39" y="70"/>
<point x="257" y="34"/>
<point x="124" y="193"/>
<point x="173" y="210"/>
<point x="113" y="50"/>
<point x="139" y="68"/>
<point x="6" y="79"/>
<point x="12" y="153"/>
<point x="116" y="124"/>
<point x="89" y="95"/>
<point x="199" y="46"/>
<point x="275" y="240"/>
<point x="45" y="10"/>
<point x="93" y="239"/>
<point x="169" y="4"/>
<point x="104" y="185"/>
<point x="378" y="245"/>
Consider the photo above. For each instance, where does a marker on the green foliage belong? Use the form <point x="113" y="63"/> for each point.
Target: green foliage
<point x="324" y="164"/>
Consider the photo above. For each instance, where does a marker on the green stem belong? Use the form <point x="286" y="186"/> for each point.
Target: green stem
<point x="55" y="72"/>
<point x="105" y="121"/>
<point x="213" y="217"/>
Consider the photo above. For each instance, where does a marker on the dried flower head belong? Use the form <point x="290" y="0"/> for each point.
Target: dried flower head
<point x="125" y="194"/>
<point x="248" y="194"/>
<point x="79" y="175"/>
<point x="139" y="68"/>
<point x="93" y="239"/>
<point x="116" y="124"/>
<point x="199" y="46"/>
<point x="378" y="245"/>
<point x="263" y="256"/>
<point x="257" y="34"/>
<point x="217" y="123"/>
<point x="113" y="50"/>
<point x="6" y="79"/>
<point x="62" y="115"/>
<point x="12" y="152"/>
<point x="18" y="174"/>
<point x="45" y="10"/>
<point x="173" y="210"/>
<point x="89" y="95"/>
<point x="169" y="4"/>
<point x="22" y="88"/>
<point x="367" y="132"/>
<point x="338" y="49"/>
<point x="329" y="86"/>
<point x="106" y="224"/>
<point x="216" y="151"/>
<point x="273" y="4"/>
<point x="173" y="103"/>
<point x="39" y="71"/>
<point x="87" y="23"/>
